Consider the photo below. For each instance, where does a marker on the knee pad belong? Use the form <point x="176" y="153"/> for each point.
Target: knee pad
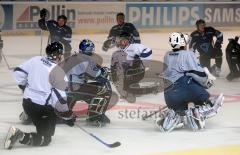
<point x="195" y="120"/>
<point x="97" y="108"/>
<point x="208" y="111"/>
<point x="169" y="122"/>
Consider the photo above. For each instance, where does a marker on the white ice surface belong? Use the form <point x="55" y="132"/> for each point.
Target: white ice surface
<point x="137" y="137"/>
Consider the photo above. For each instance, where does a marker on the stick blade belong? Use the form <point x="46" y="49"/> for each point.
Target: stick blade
<point x="113" y="145"/>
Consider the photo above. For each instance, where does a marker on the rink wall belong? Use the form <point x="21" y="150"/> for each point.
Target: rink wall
<point x="19" y="18"/>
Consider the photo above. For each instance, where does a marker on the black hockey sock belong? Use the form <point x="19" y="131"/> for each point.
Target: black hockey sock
<point x="35" y="139"/>
<point x="218" y="61"/>
<point x="26" y="139"/>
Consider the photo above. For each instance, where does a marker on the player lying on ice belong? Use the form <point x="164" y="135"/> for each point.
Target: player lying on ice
<point x="80" y="69"/>
<point x="187" y="97"/>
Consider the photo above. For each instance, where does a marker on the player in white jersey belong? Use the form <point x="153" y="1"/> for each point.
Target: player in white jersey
<point x="39" y="98"/>
<point x="126" y="66"/>
<point x="187" y="96"/>
<point x="88" y="82"/>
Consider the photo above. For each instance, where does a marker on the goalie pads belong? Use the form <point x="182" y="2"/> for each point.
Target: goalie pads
<point x="169" y="122"/>
<point x="208" y="111"/>
<point x="195" y="120"/>
<point x="203" y="78"/>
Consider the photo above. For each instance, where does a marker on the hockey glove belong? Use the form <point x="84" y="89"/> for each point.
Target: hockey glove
<point x="217" y="45"/>
<point x="43" y="13"/>
<point x="22" y="87"/>
<point x="210" y="81"/>
<point x="70" y="122"/>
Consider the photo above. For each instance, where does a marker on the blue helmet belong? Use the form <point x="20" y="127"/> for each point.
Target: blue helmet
<point x="86" y="46"/>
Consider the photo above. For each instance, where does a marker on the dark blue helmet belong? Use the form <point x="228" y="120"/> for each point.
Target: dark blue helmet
<point x="86" y="46"/>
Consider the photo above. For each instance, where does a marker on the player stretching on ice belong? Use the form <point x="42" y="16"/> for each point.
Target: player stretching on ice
<point x="187" y="95"/>
<point x="126" y="66"/>
<point x="39" y="99"/>
<point x="121" y="27"/>
<point x="58" y="30"/>
<point x="88" y="82"/>
<point x="202" y="41"/>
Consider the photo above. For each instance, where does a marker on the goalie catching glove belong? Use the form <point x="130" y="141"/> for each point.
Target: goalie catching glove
<point x="109" y="43"/>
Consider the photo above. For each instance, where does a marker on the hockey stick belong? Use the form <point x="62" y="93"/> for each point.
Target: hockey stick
<point x="8" y="66"/>
<point x="113" y="145"/>
<point x="154" y="113"/>
<point x="41" y="42"/>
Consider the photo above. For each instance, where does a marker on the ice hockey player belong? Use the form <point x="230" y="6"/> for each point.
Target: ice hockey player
<point x="126" y="65"/>
<point x="39" y="98"/>
<point x="202" y="42"/>
<point x="121" y="27"/>
<point x="58" y="30"/>
<point x="187" y="96"/>
<point x="233" y="58"/>
<point x="88" y="82"/>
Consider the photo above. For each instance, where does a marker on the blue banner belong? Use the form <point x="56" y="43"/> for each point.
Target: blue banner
<point x="6" y="16"/>
<point x="164" y="15"/>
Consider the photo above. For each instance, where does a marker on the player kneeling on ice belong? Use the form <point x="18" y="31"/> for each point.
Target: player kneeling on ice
<point x="88" y="82"/>
<point x="39" y="99"/>
<point x="187" y="97"/>
<point x="127" y="68"/>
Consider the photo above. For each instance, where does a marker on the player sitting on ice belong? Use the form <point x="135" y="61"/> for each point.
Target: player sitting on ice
<point x="88" y="82"/>
<point x="126" y="66"/>
<point x="187" y="96"/>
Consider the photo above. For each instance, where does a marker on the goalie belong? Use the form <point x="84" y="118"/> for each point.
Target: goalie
<point x="127" y="68"/>
<point x="88" y="82"/>
<point x="187" y="96"/>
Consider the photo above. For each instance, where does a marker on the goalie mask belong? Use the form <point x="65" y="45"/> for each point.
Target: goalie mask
<point x="123" y="40"/>
<point x="179" y="40"/>
<point x="86" y="46"/>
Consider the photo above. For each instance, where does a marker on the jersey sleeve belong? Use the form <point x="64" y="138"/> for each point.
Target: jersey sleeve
<point x="20" y="73"/>
<point x="93" y="70"/>
<point x="193" y="42"/>
<point x="112" y="33"/>
<point x="135" y="34"/>
<point x="219" y="36"/>
<point x="68" y="35"/>
<point x="47" y="25"/>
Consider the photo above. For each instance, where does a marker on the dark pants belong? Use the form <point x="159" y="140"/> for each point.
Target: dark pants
<point x="183" y="91"/>
<point x="88" y="92"/>
<point x="205" y="59"/>
<point x="44" y="119"/>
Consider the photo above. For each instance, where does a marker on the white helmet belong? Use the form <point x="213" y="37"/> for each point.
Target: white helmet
<point x="178" y="39"/>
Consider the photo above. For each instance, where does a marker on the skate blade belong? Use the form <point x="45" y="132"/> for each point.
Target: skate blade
<point x="7" y="143"/>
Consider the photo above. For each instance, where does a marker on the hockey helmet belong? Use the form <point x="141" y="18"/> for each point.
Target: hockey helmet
<point x="86" y="46"/>
<point x="178" y="40"/>
<point x="54" y="50"/>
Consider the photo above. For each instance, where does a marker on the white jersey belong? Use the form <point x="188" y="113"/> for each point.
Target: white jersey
<point x="180" y="62"/>
<point x="136" y="49"/>
<point x="84" y="68"/>
<point x="34" y="74"/>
